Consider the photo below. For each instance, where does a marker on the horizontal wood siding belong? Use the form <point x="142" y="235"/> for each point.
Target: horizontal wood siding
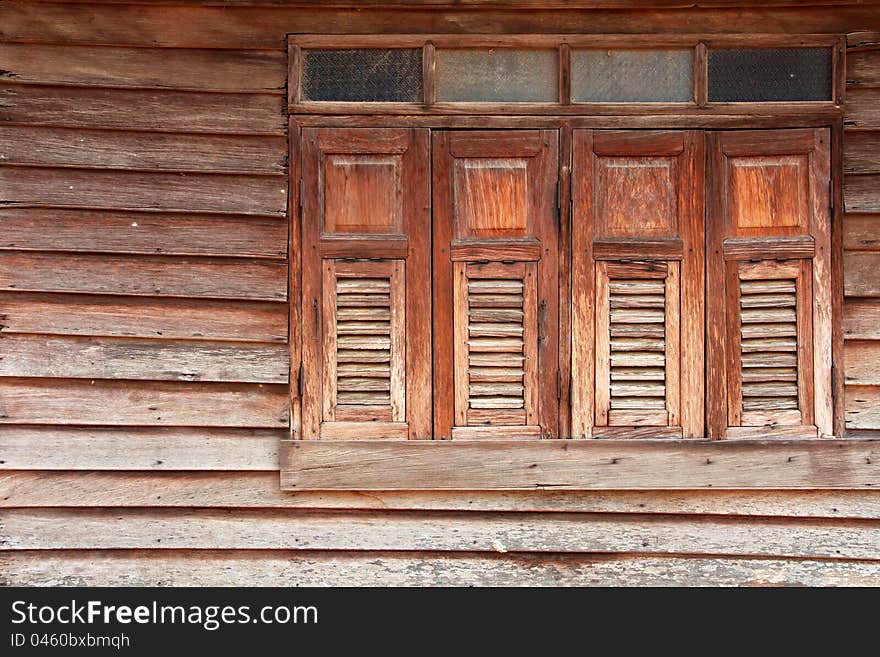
<point x="144" y="378"/>
<point x="861" y="235"/>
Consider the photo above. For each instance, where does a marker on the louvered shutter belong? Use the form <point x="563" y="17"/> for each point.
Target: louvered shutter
<point x="366" y="335"/>
<point x="769" y="324"/>
<point x="637" y="284"/>
<point x="496" y="289"/>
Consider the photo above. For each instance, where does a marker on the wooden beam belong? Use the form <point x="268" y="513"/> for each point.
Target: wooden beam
<point x="578" y="464"/>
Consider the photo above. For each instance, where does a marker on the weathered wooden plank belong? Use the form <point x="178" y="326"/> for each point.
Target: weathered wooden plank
<point x="860" y="277"/>
<point x="242" y="488"/>
<point x="861" y="319"/>
<point x="862" y="362"/>
<point x="863" y="407"/>
<point x="48" y="146"/>
<point x="561" y="4"/>
<point x="56" y="229"/>
<point x="276" y="568"/>
<point x="575" y="464"/>
<point x="141" y="448"/>
<point x="863" y="40"/>
<point x="265" y="27"/>
<point x="215" y="70"/>
<point x="152" y="360"/>
<point x="143" y="275"/>
<point x="195" y="319"/>
<point x="97" y="188"/>
<point x="861" y="193"/>
<point x="130" y="109"/>
<point x="125" y="403"/>
<point x="863" y="68"/>
<point x="860" y="151"/>
<point x="862" y="109"/>
<point x="48" y="529"/>
<point x="861" y="232"/>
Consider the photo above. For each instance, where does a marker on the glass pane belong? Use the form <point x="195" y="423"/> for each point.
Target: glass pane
<point x="497" y="75"/>
<point x="770" y="74"/>
<point x="363" y="75"/>
<point x="626" y="76"/>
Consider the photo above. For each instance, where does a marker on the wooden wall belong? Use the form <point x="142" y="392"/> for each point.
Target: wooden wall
<point x="143" y="329"/>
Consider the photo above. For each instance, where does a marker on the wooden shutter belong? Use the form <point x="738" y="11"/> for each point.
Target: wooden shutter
<point x="769" y="359"/>
<point x="495" y="284"/>
<point x="637" y="284"/>
<point x="365" y="257"/>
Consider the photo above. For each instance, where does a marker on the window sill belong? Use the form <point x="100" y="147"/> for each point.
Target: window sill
<point x="578" y="464"/>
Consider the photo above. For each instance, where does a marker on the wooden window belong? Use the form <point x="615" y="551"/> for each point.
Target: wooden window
<point x="628" y="76"/>
<point x="366" y="338"/>
<point x="769" y="356"/>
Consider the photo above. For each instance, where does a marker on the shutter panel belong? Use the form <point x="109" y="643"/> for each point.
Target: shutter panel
<point x="365" y="257"/>
<point x="637" y="284"/>
<point x="770" y="322"/>
<point x="496" y="285"/>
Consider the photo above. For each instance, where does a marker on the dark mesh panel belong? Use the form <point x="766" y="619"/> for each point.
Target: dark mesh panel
<point x="770" y="74"/>
<point x="381" y="75"/>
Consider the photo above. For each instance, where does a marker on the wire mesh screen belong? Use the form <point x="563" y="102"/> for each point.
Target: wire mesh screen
<point x="497" y="75"/>
<point x="363" y="75"/>
<point x="770" y="74"/>
<point x="624" y="76"/>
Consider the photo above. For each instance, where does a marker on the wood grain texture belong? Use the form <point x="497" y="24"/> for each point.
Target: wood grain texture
<point x="863" y="407"/>
<point x="212" y="27"/>
<point x="121" y="149"/>
<point x="860" y="274"/>
<point x="154" y="360"/>
<point x="863" y="68"/>
<point x="102" y="316"/>
<point x="860" y="192"/>
<point x="143" y="276"/>
<point x="124" y="403"/>
<point x="254" y="568"/>
<point x="142" y="448"/>
<point x="861" y="319"/>
<point x="240" y="452"/>
<point x="129" y="109"/>
<point x="861" y="109"/>
<point x="241" y="71"/>
<point x="46" y="529"/>
<point x="95" y="188"/>
<point x="862" y="362"/>
<point x="574" y="464"/>
<point x="119" y="231"/>
<point x="860" y="151"/>
<point x="861" y="232"/>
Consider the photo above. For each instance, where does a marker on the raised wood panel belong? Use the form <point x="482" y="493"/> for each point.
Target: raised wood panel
<point x="119" y="149"/>
<point x="860" y="192"/>
<point x="212" y="27"/>
<point x="189" y="319"/>
<point x="863" y="407"/>
<point x="860" y="148"/>
<point x="262" y="195"/>
<point x="142" y="448"/>
<point x="862" y="109"/>
<point x="362" y="193"/>
<point x="143" y="276"/>
<point x="248" y="568"/>
<point x="860" y="274"/>
<point x="861" y="319"/>
<point x="583" y="464"/>
<point x="124" y="403"/>
<point x="861" y="232"/>
<point x="119" y="231"/>
<point x="24" y="529"/>
<point x="768" y="195"/>
<point x="73" y="484"/>
<point x="862" y="362"/>
<point x="158" y="360"/>
<point x="128" y="109"/>
<point x="491" y="197"/>
<point x="214" y="70"/>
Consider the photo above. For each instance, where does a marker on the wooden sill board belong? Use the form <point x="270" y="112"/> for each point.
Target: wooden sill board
<point x="578" y="464"/>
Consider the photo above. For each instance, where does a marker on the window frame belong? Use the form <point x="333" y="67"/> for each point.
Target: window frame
<point x="577" y="464"/>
